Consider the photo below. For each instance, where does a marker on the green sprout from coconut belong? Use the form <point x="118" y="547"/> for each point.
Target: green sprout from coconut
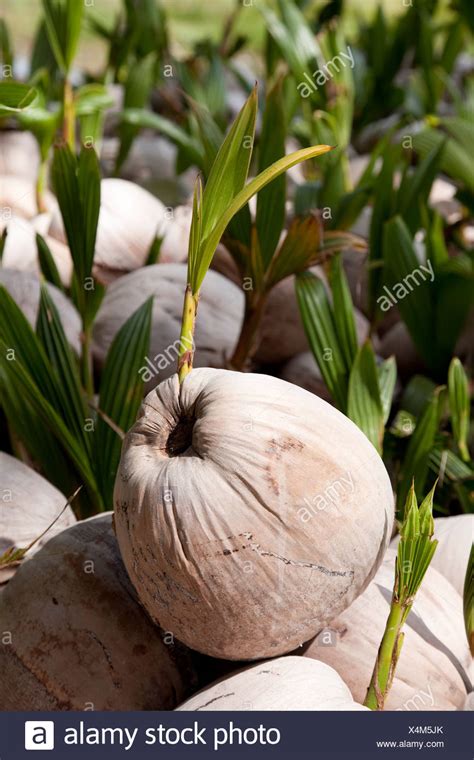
<point x="415" y="552"/>
<point x="225" y="194"/>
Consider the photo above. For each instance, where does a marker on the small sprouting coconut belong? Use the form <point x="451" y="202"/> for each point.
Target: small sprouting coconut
<point x="78" y="637"/>
<point x="433" y="669"/>
<point x="24" y="288"/>
<point x="224" y="516"/>
<point x="29" y="505"/>
<point x="19" y="154"/>
<point x="221" y="309"/>
<point x="286" y="683"/>
<point x="21" y="249"/>
<point x="455" y="536"/>
<point x="18" y="196"/>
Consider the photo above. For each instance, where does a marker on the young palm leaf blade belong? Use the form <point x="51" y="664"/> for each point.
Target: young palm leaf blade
<point x="121" y="393"/>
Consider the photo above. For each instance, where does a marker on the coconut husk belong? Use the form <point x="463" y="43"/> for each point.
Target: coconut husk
<point x="221" y="307"/>
<point x="29" y="506"/>
<point x="286" y="683"/>
<point x="18" y="194"/>
<point x="219" y="515"/>
<point x="79" y="639"/>
<point x="21" y="250"/>
<point x="19" y="154"/>
<point x="24" y="288"/>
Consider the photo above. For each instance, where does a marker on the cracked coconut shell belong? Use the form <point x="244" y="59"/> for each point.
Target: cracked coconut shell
<point x="79" y="637"/>
<point x="287" y="683"/>
<point x="221" y="308"/>
<point x="249" y="512"/>
<point x="433" y="672"/>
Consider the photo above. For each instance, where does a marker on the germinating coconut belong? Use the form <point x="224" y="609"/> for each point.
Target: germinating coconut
<point x="434" y="668"/>
<point x="78" y="637"/>
<point x="249" y="512"/>
<point x="287" y="683"/>
<point x="24" y="288"/>
<point x="29" y="505"/>
<point x="221" y="308"/>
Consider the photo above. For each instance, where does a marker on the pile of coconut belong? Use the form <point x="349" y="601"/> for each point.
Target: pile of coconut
<point x="226" y="576"/>
<point x="218" y="583"/>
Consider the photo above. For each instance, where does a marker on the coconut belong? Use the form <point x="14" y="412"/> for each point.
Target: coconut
<point x="282" y="334"/>
<point x="219" y="512"/>
<point x="24" y="288"/>
<point x="469" y="702"/>
<point x="19" y="154"/>
<point x="397" y="342"/>
<point x="433" y="669"/>
<point x="29" y="506"/>
<point x="130" y="218"/>
<point x="18" y="197"/>
<point x="78" y="638"/>
<point x="21" y="250"/>
<point x="221" y="308"/>
<point x="303" y="370"/>
<point x="287" y="683"/>
<point x="455" y="535"/>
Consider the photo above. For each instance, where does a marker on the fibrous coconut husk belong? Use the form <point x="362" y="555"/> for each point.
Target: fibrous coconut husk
<point x="18" y="195"/>
<point x="221" y="307"/>
<point x="21" y="249"/>
<point x="249" y="512"/>
<point x="28" y="506"/>
<point x="19" y="154"/>
<point x="78" y="637"/>
<point x="286" y="683"/>
<point x="24" y="288"/>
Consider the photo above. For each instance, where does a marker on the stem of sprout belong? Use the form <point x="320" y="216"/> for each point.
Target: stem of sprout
<point x="186" y="341"/>
<point x="69" y="128"/>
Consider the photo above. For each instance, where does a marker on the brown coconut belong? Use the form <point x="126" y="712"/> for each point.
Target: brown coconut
<point x="21" y="249"/>
<point x="29" y="505"/>
<point x="24" y="288"/>
<point x="282" y="334"/>
<point x="219" y="518"/>
<point x="433" y="669"/>
<point x="286" y="683"/>
<point x="303" y="369"/>
<point x="78" y="637"/>
<point x="221" y="307"/>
